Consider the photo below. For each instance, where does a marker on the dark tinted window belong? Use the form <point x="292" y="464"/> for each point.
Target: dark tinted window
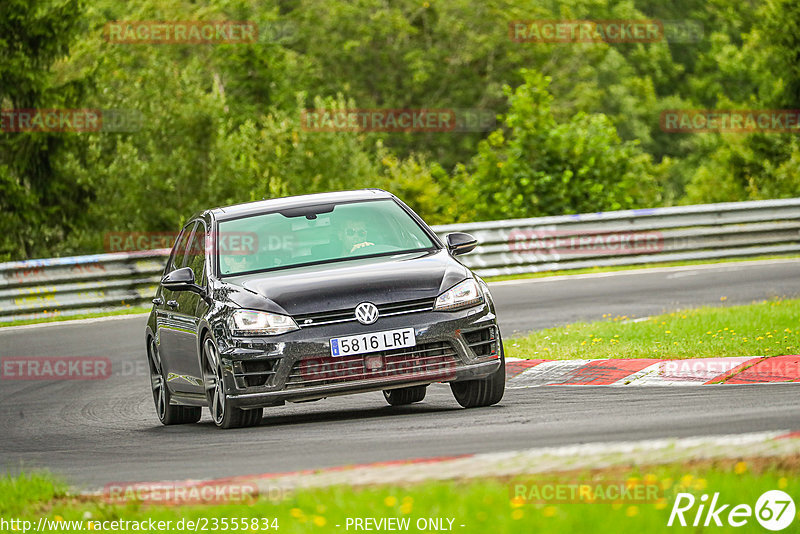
<point x="299" y="237"/>
<point x="178" y="257"/>
<point x="197" y="253"/>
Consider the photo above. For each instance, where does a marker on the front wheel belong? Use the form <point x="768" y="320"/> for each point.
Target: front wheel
<point x="484" y="392"/>
<point x="222" y="412"/>
<point x="403" y="396"/>
<point x="168" y="413"/>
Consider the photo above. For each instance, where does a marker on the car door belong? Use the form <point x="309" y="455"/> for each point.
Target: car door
<point x="168" y="325"/>
<point x="186" y="315"/>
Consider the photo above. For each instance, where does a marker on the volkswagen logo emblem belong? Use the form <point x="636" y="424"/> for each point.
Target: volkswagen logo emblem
<point x="366" y="313"/>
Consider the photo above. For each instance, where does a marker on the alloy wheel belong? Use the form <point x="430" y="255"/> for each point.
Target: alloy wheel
<point x="214" y="384"/>
<point x="157" y="381"/>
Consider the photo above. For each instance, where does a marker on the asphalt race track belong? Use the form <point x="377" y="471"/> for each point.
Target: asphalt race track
<point x="95" y="432"/>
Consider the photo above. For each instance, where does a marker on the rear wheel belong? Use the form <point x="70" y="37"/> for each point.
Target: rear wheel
<point x="222" y="412"/>
<point x="168" y="414"/>
<point x="403" y="396"/>
<point x="484" y="392"/>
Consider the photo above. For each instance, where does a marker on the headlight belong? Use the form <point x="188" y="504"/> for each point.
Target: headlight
<point x="258" y="323"/>
<point x="461" y="295"/>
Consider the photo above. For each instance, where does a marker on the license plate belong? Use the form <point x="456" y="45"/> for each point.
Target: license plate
<point x="374" y="342"/>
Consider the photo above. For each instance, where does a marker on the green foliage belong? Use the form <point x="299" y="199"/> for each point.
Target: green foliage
<point x="39" y="203"/>
<point x="758" y="165"/>
<point x="425" y="187"/>
<point x="753" y="167"/>
<point x="578" y="130"/>
<point x="540" y="166"/>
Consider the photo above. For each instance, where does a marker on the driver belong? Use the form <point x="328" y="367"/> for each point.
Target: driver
<point x="355" y="236"/>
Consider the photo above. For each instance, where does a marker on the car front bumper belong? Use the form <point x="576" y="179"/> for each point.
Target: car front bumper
<point x="298" y="366"/>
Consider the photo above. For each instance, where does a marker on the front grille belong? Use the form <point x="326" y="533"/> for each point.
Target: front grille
<point x="253" y="373"/>
<point x="428" y="361"/>
<point x="483" y="342"/>
<point x="305" y="320"/>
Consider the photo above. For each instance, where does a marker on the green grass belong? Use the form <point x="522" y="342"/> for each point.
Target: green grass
<point x="591" y="270"/>
<point x="769" y="328"/>
<point x="59" y="318"/>
<point x="28" y="492"/>
<point x="482" y="505"/>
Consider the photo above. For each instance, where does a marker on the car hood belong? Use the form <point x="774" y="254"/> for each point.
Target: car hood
<point x="342" y="285"/>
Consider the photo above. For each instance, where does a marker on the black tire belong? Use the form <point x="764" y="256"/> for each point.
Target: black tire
<point x="403" y="396"/>
<point x="222" y="412"/>
<point x="484" y="392"/>
<point x="168" y="413"/>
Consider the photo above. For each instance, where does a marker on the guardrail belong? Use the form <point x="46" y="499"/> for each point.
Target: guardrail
<point x="631" y="237"/>
<point x="103" y="282"/>
<point x="34" y="289"/>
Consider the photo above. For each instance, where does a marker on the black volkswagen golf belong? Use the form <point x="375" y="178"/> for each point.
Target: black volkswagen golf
<point x="302" y="298"/>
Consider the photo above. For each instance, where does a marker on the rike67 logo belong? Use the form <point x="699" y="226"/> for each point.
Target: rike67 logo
<point x="774" y="510"/>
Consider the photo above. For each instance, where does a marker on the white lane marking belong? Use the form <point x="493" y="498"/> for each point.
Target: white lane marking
<point x="672" y="276"/>
<point x="71" y="322"/>
<point x="639" y="320"/>
<point x="652" y="270"/>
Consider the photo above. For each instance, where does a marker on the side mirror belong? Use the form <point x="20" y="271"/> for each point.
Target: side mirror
<point x="460" y="243"/>
<point x="181" y="280"/>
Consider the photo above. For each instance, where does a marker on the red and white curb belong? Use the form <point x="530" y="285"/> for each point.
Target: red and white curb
<point x="652" y="372"/>
<point x="511" y="463"/>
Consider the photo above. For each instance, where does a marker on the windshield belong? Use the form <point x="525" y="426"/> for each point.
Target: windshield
<point x="319" y="234"/>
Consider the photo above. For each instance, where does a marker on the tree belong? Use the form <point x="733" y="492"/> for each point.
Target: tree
<point x="538" y="166"/>
<point x="757" y="165"/>
<point x="40" y="203"/>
